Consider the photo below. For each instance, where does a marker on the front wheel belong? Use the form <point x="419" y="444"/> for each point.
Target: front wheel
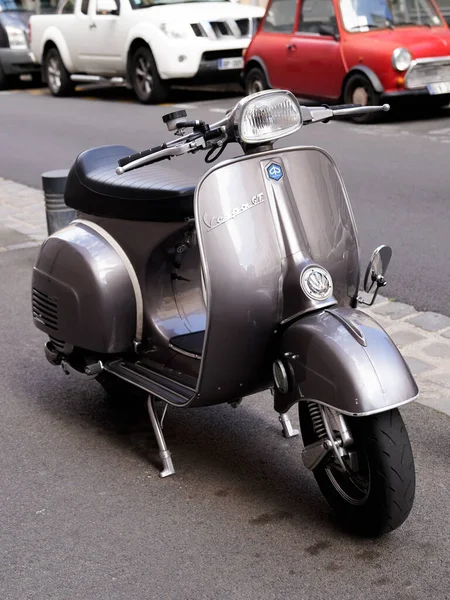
<point x="144" y="78"/>
<point x="255" y="81"/>
<point x="372" y="491"/>
<point x="359" y="90"/>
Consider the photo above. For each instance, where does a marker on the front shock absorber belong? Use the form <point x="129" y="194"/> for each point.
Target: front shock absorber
<point x="317" y="420"/>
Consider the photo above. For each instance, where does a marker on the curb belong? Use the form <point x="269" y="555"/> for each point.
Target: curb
<point x="423" y="338"/>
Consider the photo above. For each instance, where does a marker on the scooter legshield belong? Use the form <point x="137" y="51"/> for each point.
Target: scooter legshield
<point x="342" y="358"/>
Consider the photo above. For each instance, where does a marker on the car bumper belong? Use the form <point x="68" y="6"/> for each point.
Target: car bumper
<point x="422" y="93"/>
<point x="18" y="62"/>
<point x="200" y="60"/>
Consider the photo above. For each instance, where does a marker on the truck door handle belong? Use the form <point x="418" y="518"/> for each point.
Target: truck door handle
<point x="292" y="47"/>
<point x="92" y="26"/>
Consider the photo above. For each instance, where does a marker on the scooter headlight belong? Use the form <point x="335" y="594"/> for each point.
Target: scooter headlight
<point x="267" y="116"/>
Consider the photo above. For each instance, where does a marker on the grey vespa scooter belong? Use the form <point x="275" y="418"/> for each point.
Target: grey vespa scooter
<point x="201" y="294"/>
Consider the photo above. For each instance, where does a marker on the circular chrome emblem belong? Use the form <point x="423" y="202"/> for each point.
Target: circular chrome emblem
<point x="317" y="284"/>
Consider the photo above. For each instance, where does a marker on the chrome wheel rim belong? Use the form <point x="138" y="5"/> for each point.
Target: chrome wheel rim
<point x="360" y="96"/>
<point x="53" y="74"/>
<point x="143" y="76"/>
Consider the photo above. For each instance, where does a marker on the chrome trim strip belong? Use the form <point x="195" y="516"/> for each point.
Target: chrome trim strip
<point x="361" y="414"/>
<point x="437" y="60"/>
<point x="185" y="352"/>
<point x="130" y="269"/>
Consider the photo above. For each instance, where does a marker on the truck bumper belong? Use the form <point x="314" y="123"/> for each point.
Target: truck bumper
<point x="18" y="62"/>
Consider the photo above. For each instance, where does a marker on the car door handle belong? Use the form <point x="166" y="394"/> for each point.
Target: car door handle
<point x="92" y="26"/>
<point x="292" y="47"/>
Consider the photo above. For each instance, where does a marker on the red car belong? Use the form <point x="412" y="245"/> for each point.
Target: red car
<point x="351" y="51"/>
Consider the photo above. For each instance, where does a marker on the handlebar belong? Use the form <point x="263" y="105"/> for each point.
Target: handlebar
<point x="217" y="134"/>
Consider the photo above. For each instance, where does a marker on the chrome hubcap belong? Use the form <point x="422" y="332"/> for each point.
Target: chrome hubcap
<point x="360" y="96"/>
<point x="53" y="74"/>
<point x="256" y="86"/>
<point x="144" y="79"/>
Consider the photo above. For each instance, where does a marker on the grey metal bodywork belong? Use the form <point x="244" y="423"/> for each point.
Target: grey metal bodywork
<point x="254" y="251"/>
<point x="240" y="285"/>
<point x="342" y="358"/>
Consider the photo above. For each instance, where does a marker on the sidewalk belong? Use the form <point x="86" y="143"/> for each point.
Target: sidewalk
<point x="422" y="337"/>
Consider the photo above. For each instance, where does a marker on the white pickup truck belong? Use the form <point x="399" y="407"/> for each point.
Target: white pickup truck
<point x="148" y="44"/>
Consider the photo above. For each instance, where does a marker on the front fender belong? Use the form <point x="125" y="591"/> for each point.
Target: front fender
<point x="342" y="358"/>
<point x="52" y="34"/>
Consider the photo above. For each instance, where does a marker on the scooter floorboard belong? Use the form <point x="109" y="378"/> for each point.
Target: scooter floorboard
<point x="154" y="383"/>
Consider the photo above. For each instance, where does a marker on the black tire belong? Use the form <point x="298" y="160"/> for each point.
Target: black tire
<point x="56" y="75"/>
<point x="4" y="80"/>
<point x="144" y="78"/>
<point x="385" y="490"/>
<point x="255" y="81"/>
<point x="359" y="90"/>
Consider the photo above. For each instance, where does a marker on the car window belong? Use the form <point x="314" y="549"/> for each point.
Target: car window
<point x="363" y="15"/>
<point x="85" y="7"/>
<point x="281" y="16"/>
<point x="315" y="13"/>
<point x="67" y="7"/>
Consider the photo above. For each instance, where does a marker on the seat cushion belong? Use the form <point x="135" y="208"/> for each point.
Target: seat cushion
<point x="152" y="193"/>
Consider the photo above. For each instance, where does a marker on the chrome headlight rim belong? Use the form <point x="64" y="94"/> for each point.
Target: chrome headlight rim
<point x="316" y="283"/>
<point x="237" y="114"/>
<point x="399" y="55"/>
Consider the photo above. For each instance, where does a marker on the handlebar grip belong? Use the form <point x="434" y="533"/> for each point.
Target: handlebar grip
<point x="344" y="106"/>
<point x="128" y="159"/>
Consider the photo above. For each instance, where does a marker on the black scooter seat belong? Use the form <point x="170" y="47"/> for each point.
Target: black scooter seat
<point x="152" y="193"/>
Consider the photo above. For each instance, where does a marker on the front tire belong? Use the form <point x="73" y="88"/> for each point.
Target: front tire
<point x="376" y="497"/>
<point x="359" y="90"/>
<point x="56" y="74"/>
<point x="255" y="81"/>
<point x="144" y="78"/>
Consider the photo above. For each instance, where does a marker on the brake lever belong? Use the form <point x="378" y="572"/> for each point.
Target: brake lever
<point x="169" y="152"/>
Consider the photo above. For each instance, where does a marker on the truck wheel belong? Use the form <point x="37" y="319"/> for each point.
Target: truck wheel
<point x="145" y="79"/>
<point x="4" y="81"/>
<point x="56" y="75"/>
<point x="359" y="90"/>
<point x="255" y="81"/>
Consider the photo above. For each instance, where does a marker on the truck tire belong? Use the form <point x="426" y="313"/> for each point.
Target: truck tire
<point x="144" y="77"/>
<point x="4" y="81"/>
<point x="56" y="75"/>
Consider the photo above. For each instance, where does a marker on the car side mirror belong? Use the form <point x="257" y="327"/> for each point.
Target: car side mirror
<point x="328" y="30"/>
<point x="107" y="7"/>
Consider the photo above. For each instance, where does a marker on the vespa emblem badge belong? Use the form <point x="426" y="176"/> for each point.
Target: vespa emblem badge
<point x="275" y="172"/>
<point x="317" y="284"/>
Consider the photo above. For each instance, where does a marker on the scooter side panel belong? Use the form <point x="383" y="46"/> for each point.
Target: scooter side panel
<point x="344" y="359"/>
<point x="82" y="293"/>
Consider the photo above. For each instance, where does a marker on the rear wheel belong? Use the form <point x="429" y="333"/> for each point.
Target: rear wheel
<point x="144" y="78"/>
<point x="373" y="490"/>
<point x="359" y="90"/>
<point x="56" y="74"/>
<point x="4" y="80"/>
<point x="255" y="81"/>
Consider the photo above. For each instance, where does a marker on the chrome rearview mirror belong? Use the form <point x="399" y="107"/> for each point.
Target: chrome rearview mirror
<point x="377" y="268"/>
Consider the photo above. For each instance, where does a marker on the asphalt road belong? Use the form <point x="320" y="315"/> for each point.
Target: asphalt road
<point x="84" y="515"/>
<point x="397" y="172"/>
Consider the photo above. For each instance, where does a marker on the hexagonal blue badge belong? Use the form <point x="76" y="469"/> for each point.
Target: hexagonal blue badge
<point x="274" y="171"/>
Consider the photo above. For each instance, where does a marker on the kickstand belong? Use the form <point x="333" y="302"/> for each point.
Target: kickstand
<point x="163" y="451"/>
<point x="288" y="430"/>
